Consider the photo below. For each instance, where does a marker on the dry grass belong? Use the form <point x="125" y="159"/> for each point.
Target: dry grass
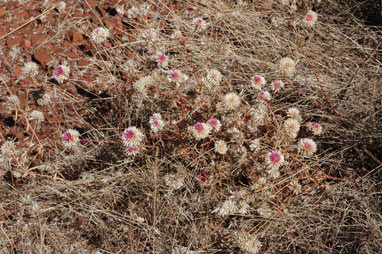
<point x="97" y="199"/>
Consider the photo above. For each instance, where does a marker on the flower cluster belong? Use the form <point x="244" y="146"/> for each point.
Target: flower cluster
<point x="156" y="122"/>
<point x="100" y="35"/>
<point x="132" y="138"/>
<point x="61" y="73"/>
<point x="70" y="138"/>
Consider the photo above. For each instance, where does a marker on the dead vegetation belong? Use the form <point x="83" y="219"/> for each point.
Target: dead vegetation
<point x="179" y="193"/>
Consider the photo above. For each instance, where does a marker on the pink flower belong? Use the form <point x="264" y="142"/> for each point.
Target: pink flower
<point x="258" y="81"/>
<point x="315" y="128"/>
<point x="274" y="160"/>
<point x="265" y="96"/>
<point x="215" y="124"/>
<point x="70" y="138"/>
<point x="61" y="73"/>
<point x="202" y="177"/>
<point x="131" y="150"/>
<point x="201" y="130"/>
<point x="132" y="137"/>
<point x="162" y="60"/>
<point x="310" y="18"/>
<point x="307" y="147"/>
<point x="277" y="85"/>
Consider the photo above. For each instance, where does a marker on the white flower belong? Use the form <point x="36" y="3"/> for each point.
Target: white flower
<point x="161" y="59"/>
<point x="37" y="116"/>
<point x="295" y="187"/>
<point x="61" y="6"/>
<point x="214" y="77"/>
<point x="294" y="113"/>
<point x="156" y="122"/>
<point x="143" y="84"/>
<point x="30" y="69"/>
<point x="149" y="35"/>
<point x="277" y="85"/>
<point x="310" y="18"/>
<point x="231" y="101"/>
<point x="175" y="182"/>
<point x="120" y="9"/>
<point x="307" y="147"/>
<point x="132" y="137"/>
<point x="99" y="35"/>
<point x="201" y="130"/>
<point x="265" y="96"/>
<point x="199" y="24"/>
<point x="70" y="138"/>
<point x="287" y="66"/>
<point x="254" y="145"/>
<point x="257" y="81"/>
<point x="221" y="147"/>
<point x="8" y="150"/>
<point x="13" y="100"/>
<point x="177" y="76"/>
<point x="291" y="127"/>
<point x="248" y="243"/>
<point x="316" y="128"/>
<point x="265" y="211"/>
<point x="131" y="150"/>
<point x="133" y="12"/>
<point x="228" y="207"/>
<point x="274" y="173"/>
<point x="61" y="73"/>
<point x="215" y="124"/>
<point x="274" y="159"/>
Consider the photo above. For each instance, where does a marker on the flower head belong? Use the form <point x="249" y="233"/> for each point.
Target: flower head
<point x="200" y="24"/>
<point x="214" y="77"/>
<point x="132" y="137"/>
<point x="274" y="160"/>
<point x="221" y="147"/>
<point x="248" y="243"/>
<point x="316" y="128"/>
<point x="307" y="147"/>
<point x="30" y="69"/>
<point x="215" y="124"/>
<point x="190" y="10"/>
<point x="201" y="130"/>
<point x="231" y="101"/>
<point x="177" y="76"/>
<point x="70" y="138"/>
<point x="161" y="59"/>
<point x="277" y="85"/>
<point x="61" y="73"/>
<point x="133" y="12"/>
<point x="294" y="113"/>
<point x="100" y="35"/>
<point x="143" y="84"/>
<point x="156" y="122"/>
<point x="257" y="81"/>
<point x="295" y="187"/>
<point x="287" y="66"/>
<point x="310" y="18"/>
<point x="291" y="127"/>
<point x="254" y="145"/>
<point x="131" y="150"/>
<point x="149" y="35"/>
<point x="37" y="116"/>
<point x="265" y="96"/>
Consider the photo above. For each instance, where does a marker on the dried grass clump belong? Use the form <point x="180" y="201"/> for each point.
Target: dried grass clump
<point x="223" y="165"/>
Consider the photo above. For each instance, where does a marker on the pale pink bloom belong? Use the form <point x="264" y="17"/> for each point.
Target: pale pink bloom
<point x="231" y="101"/>
<point x="199" y="23"/>
<point x="156" y="122"/>
<point x="316" y="128"/>
<point x="294" y="113"/>
<point x="149" y="35"/>
<point x="258" y="81"/>
<point x="307" y="147"/>
<point x="292" y="127"/>
<point x="70" y="138"/>
<point x="310" y="18"/>
<point x="221" y="147"/>
<point x="277" y="85"/>
<point x="201" y="130"/>
<point x="100" y="35"/>
<point x="215" y="124"/>
<point x="132" y="137"/>
<point x="264" y="96"/>
<point x="190" y="10"/>
<point x="274" y="160"/>
<point x="61" y="73"/>
<point x="162" y="59"/>
<point x="131" y="150"/>
<point x="177" y="76"/>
